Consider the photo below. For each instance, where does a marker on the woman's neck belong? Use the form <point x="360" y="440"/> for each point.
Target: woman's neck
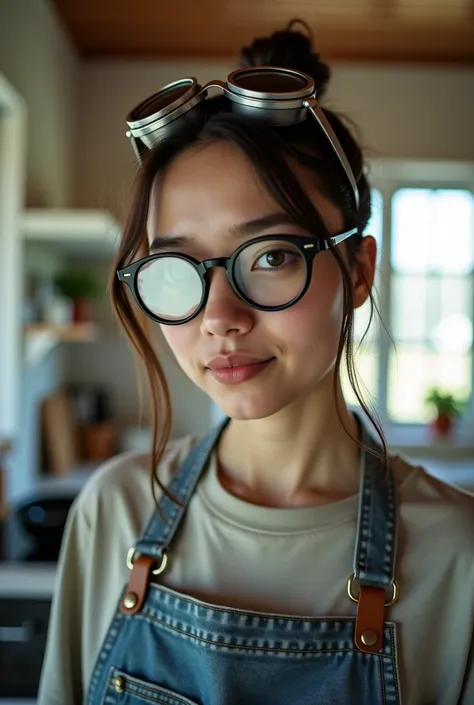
<point x="301" y="456"/>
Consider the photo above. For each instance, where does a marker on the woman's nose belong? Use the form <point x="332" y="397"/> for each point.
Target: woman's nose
<point x="225" y="313"/>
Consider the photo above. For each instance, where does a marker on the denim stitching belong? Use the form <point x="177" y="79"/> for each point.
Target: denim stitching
<point x="213" y="642"/>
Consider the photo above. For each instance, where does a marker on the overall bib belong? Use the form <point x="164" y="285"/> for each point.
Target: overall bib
<point x="166" y="647"/>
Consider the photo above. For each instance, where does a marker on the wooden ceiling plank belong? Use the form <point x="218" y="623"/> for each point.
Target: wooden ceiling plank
<point x="440" y="30"/>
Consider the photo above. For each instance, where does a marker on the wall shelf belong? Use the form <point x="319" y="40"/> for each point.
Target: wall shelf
<point x="65" y="234"/>
<point x="41" y="338"/>
<point x="74" y="232"/>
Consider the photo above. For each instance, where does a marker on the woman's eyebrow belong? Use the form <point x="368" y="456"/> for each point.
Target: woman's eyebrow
<point x="250" y="227"/>
<point x="253" y="227"/>
<point x="169" y="242"/>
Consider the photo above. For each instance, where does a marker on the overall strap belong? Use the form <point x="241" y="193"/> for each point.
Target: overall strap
<point x="375" y="547"/>
<point x="152" y="548"/>
<point x="166" y="520"/>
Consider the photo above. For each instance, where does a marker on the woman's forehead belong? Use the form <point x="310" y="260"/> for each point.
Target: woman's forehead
<point x="214" y="187"/>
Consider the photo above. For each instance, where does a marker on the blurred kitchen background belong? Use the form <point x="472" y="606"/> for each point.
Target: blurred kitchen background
<point x="70" y="71"/>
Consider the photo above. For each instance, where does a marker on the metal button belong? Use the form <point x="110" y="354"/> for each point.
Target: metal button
<point x="119" y="684"/>
<point x="130" y="600"/>
<point x="369" y="637"/>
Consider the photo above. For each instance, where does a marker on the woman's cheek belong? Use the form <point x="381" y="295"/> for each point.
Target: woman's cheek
<point x="318" y="313"/>
<point x="181" y="340"/>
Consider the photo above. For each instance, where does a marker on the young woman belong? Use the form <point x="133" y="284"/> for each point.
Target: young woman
<point x="291" y="557"/>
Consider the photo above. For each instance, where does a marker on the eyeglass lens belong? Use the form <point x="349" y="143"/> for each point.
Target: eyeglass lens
<point x="268" y="274"/>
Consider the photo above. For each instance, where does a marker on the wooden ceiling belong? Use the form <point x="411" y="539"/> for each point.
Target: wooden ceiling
<point x="439" y="31"/>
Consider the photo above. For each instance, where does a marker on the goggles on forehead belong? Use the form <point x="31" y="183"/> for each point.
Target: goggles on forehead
<point x="277" y="96"/>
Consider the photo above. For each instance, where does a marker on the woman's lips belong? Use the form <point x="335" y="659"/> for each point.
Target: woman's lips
<point x="236" y="367"/>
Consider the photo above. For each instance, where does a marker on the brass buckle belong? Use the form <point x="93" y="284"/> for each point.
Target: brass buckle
<point x="132" y="555"/>
<point x="355" y="599"/>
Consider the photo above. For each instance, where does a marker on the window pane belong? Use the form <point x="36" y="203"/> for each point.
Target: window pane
<point x="414" y="370"/>
<point x="409" y="301"/>
<point x="433" y="231"/>
<point x="432" y="308"/>
<point x="375" y="224"/>
<point x="366" y="363"/>
<point x="450" y="327"/>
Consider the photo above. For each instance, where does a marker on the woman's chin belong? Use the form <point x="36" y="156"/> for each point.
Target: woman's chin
<point x="246" y="407"/>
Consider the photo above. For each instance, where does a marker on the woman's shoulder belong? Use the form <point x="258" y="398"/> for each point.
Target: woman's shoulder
<point x="419" y="483"/>
<point x="429" y="503"/>
<point x="124" y="481"/>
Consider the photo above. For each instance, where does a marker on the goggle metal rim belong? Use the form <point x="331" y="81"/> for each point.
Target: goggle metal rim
<point x="301" y="93"/>
<point x="193" y="89"/>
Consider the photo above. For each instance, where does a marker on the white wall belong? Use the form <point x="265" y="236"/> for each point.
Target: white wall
<point x="38" y="60"/>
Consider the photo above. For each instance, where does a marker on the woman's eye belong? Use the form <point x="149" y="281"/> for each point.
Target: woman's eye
<point x="274" y="259"/>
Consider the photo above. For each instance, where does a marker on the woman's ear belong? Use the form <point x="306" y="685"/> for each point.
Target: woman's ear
<point x="364" y="272"/>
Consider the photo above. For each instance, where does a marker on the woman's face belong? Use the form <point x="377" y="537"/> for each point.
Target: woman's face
<point x="203" y="196"/>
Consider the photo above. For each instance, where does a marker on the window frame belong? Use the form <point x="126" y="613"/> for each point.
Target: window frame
<point x="389" y="176"/>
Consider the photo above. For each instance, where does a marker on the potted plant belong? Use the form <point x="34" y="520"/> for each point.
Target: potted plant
<point x="447" y="409"/>
<point x="81" y="287"/>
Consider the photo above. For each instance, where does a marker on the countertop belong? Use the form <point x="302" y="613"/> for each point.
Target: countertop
<point x="20" y="580"/>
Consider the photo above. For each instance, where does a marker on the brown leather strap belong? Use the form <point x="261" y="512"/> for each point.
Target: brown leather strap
<point x="137" y="585"/>
<point x="370" y="619"/>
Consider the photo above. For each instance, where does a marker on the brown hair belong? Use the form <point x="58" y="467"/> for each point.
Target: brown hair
<point x="271" y="151"/>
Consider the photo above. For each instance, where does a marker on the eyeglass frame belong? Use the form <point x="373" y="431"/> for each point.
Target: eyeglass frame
<point x="309" y="247"/>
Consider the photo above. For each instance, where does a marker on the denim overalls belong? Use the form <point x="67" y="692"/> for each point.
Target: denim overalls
<point x="165" y="647"/>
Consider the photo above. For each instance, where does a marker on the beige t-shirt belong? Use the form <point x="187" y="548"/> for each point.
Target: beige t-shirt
<point x="290" y="561"/>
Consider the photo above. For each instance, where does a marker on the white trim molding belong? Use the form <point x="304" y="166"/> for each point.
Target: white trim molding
<point x="13" y="116"/>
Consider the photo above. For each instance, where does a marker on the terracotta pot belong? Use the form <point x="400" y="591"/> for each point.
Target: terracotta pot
<point x="81" y="311"/>
<point x="443" y="425"/>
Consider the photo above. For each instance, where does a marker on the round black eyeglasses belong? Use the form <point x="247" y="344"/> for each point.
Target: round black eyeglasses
<point x="269" y="273"/>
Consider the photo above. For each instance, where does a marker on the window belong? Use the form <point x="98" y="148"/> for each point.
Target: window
<point x="432" y="265"/>
<point x="425" y="291"/>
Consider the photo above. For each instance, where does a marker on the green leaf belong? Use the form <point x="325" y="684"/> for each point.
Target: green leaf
<point x="78" y="284"/>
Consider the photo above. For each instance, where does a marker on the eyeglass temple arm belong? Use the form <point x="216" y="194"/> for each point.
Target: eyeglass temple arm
<point x="313" y="107"/>
<point x="337" y="239"/>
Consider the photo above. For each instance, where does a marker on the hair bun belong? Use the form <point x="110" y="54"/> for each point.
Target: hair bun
<point x="289" y="49"/>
